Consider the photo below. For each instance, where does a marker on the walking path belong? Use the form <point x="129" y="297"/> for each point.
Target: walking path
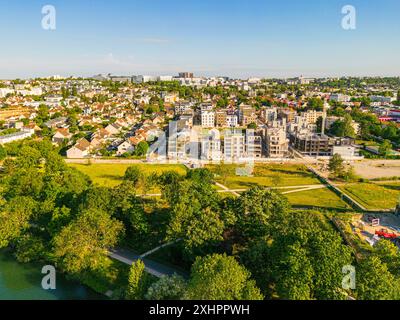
<point x="154" y="268"/>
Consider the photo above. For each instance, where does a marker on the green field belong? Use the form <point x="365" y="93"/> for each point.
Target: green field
<point x="269" y="175"/>
<point x="110" y="175"/>
<point x="319" y="198"/>
<point x="375" y="196"/>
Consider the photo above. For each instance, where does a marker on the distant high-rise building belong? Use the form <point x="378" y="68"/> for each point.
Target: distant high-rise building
<point x="185" y="74"/>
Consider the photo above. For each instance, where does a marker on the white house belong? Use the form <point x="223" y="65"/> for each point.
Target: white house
<point x="125" y="147"/>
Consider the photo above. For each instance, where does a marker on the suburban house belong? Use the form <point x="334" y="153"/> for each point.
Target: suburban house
<point x="81" y="149"/>
<point x="125" y="147"/>
<point x="61" y="135"/>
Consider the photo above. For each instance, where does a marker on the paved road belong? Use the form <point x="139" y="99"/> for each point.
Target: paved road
<point x="156" y="269"/>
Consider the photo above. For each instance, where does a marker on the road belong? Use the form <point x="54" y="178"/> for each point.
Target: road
<point x="156" y="269"/>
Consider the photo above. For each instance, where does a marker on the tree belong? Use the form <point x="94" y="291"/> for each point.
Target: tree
<point x="195" y="215"/>
<point x="252" y="125"/>
<point x="389" y="254"/>
<point x="315" y="103"/>
<point x="14" y="219"/>
<point x="223" y="171"/>
<point x="295" y="280"/>
<point x="167" y="288"/>
<point x="141" y="149"/>
<point x="385" y="148"/>
<point x="254" y="209"/>
<point x="302" y="258"/>
<point x="129" y="208"/>
<point x="137" y="282"/>
<point x="374" y="281"/>
<point x="84" y="243"/>
<point x="221" y="277"/>
<point x="3" y="153"/>
<point x="336" y="166"/>
<point x="343" y="128"/>
<point x="133" y="174"/>
<point x="200" y="175"/>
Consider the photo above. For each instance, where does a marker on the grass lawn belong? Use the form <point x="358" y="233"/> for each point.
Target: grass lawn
<point x="374" y="196"/>
<point x="110" y="175"/>
<point x="319" y="198"/>
<point x="269" y="175"/>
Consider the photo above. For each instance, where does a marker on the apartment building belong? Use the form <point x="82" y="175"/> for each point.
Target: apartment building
<point x="247" y="115"/>
<point x="210" y="144"/>
<point x="339" y="97"/>
<point x="183" y="107"/>
<point x="311" y="116"/>
<point x="221" y="118"/>
<point x="312" y="144"/>
<point x="207" y="119"/>
<point x="231" y="120"/>
<point x="253" y="144"/>
<point x="269" y="114"/>
<point x="234" y="145"/>
<point x="276" y="142"/>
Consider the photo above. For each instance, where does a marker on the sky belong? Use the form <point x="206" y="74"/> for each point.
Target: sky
<point x="235" y="38"/>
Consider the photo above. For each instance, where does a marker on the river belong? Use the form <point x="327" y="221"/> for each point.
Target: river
<point x="23" y="282"/>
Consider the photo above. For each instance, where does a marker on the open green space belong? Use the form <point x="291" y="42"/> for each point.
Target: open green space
<point x="110" y="175"/>
<point x="319" y="198"/>
<point x="374" y="196"/>
<point x="267" y="175"/>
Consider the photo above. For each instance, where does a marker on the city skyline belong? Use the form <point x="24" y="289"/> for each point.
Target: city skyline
<point x="229" y="38"/>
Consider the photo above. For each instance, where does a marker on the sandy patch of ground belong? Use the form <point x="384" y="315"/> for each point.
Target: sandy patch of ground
<point x="372" y="169"/>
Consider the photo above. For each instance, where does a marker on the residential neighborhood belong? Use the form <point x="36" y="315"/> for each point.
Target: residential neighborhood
<point x="109" y="116"/>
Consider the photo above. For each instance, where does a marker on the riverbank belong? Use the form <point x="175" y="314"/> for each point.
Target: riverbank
<point x="22" y="281"/>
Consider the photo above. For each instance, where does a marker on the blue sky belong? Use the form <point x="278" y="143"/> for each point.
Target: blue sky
<point x="238" y="38"/>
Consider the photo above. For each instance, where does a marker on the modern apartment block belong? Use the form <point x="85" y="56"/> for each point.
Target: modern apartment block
<point x="210" y="144"/>
<point x="253" y="144"/>
<point x="207" y="119"/>
<point x="247" y="115"/>
<point x="276" y="142"/>
<point x="234" y="145"/>
<point x="312" y="144"/>
<point x="269" y="115"/>
<point x="311" y="116"/>
<point x="220" y="118"/>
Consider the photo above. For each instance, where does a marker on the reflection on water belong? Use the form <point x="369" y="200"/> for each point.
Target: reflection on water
<point x="23" y="282"/>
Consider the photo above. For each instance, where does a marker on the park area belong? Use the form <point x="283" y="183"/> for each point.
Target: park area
<point x="111" y="174"/>
<point x="286" y="177"/>
<point x="266" y="175"/>
<point x="374" y="195"/>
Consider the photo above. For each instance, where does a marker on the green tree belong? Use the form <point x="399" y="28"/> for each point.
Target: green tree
<point x="343" y="128"/>
<point x="167" y="288"/>
<point x="133" y="174"/>
<point x="336" y="165"/>
<point x="141" y="149"/>
<point x="295" y="280"/>
<point x="254" y="209"/>
<point x="385" y="148"/>
<point x="389" y="254"/>
<point x="137" y="282"/>
<point x="374" y="281"/>
<point x="195" y="216"/>
<point x="3" y="153"/>
<point x="84" y="243"/>
<point x="221" y="277"/>
<point x="14" y="219"/>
